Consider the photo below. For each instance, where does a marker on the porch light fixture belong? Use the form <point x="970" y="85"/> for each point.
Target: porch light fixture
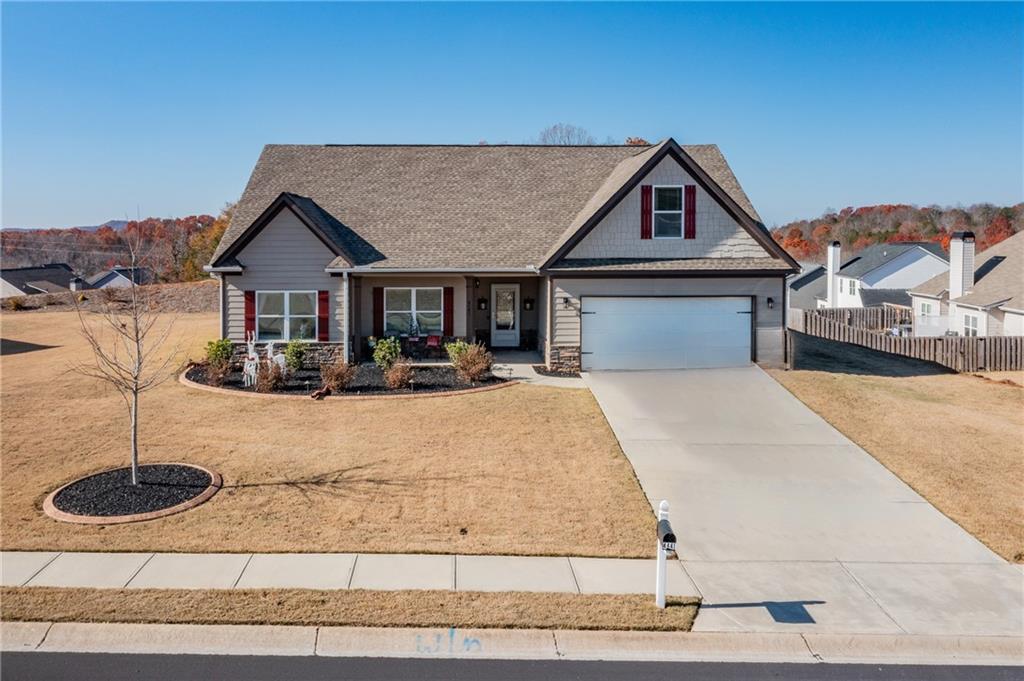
<point x="481" y="303"/>
<point x="476" y="284"/>
<point x="527" y="304"/>
<point x="771" y="303"/>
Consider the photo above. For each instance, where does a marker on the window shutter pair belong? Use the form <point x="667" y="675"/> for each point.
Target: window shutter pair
<point x="689" y="211"/>
<point x="447" y="312"/>
<point x="323" y="308"/>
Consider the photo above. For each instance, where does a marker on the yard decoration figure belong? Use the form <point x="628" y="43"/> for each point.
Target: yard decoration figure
<point x="252" y="361"/>
<point x="276" y="358"/>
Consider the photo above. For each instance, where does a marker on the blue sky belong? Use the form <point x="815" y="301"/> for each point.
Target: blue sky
<point x="109" y="109"/>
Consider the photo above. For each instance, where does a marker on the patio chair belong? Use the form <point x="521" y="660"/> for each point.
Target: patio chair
<point x="433" y="346"/>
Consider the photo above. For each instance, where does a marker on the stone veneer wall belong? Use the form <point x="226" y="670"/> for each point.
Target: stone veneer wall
<point x="564" y="358"/>
<point x="316" y="353"/>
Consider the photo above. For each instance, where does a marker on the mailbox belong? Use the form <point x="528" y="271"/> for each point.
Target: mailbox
<point x="666" y="536"/>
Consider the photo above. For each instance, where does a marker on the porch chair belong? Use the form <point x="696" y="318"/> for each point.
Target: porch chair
<point x="434" y="346"/>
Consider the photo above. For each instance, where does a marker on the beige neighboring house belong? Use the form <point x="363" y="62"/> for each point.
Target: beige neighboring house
<point x="981" y="296"/>
<point x="609" y="257"/>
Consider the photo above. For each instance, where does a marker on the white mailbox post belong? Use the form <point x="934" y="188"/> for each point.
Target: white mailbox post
<point x="666" y="544"/>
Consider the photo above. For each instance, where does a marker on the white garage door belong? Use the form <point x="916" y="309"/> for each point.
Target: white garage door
<point x="665" y="333"/>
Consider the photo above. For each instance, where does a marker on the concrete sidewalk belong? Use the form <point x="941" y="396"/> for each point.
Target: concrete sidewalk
<point x="177" y="639"/>
<point x="337" y="571"/>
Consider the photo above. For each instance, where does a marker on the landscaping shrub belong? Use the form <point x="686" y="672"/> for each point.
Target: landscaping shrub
<point x="219" y="351"/>
<point x="473" y="363"/>
<point x="337" y="375"/>
<point x="386" y="352"/>
<point x="217" y="372"/>
<point x="269" y="378"/>
<point x="294" y="354"/>
<point x="398" y="375"/>
<point x="455" y="350"/>
<point x="15" y="303"/>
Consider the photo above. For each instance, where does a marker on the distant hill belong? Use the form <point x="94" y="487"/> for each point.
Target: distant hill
<point x="113" y="224"/>
<point x="858" y="228"/>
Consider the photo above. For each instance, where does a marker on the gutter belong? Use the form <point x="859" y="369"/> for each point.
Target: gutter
<point x="431" y="270"/>
<point x="227" y="269"/>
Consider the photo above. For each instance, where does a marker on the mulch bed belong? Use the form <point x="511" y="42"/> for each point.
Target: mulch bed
<point x="111" y="493"/>
<point x="369" y="381"/>
<point x="544" y="371"/>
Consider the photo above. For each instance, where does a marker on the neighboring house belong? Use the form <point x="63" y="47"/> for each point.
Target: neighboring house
<point x="877" y="276"/>
<point x="54" y="277"/>
<point x="623" y="257"/>
<point x="121" y="277"/>
<point x="981" y="296"/>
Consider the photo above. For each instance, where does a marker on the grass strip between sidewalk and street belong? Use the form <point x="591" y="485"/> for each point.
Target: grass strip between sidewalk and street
<point x="362" y="608"/>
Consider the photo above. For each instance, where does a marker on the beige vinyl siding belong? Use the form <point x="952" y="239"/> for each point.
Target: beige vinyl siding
<point x="284" y="256"/>
<point x="768" y="323"/>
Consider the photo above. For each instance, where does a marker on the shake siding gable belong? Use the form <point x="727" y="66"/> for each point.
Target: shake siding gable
<point x="716" y="233"/>
<point x="284" y="256"/>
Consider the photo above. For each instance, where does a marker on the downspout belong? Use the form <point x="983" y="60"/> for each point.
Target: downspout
<point x="344" y="322"/>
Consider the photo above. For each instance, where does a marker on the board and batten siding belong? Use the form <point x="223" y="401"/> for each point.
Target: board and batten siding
<point x="284" y="256"/>
<point x="768" y="323"/>
<point x="718" y="235"/>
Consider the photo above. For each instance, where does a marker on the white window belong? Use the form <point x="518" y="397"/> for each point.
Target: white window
<point x="841" y="285"/>
<point x="926" y="309"/>
<point x="286" y="315"/>
<point x="853" y="286"/>
<point x="970" y="325"/>
<point x="668" y="212"/>
<point x="413" y="311"/>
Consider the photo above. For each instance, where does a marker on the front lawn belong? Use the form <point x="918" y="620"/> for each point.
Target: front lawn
<point x="958" y="440"/>
<point x="523" y="470"/>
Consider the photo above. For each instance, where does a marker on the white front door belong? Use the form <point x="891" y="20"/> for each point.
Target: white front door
<point x="505" y="315"/>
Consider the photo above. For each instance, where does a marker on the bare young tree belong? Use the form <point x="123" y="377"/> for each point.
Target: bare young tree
<point x="565" y="134"/>
<point x="130" y="350"/>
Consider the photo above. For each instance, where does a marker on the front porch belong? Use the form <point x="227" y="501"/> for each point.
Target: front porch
<point x="426" y="311"/>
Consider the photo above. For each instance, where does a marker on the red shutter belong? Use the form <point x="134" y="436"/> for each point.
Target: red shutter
<point x="250" y="313"/>
<point x="690" y="212"/>
<point x="646" y="207"/>
<point x="378" y="311"/>
<point x="448" y="312"/>
<point x="323" y="306"/>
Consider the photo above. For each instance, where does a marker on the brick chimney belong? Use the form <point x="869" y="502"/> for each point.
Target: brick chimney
<point x="832" y="264"/>
<point x="961" y="264"/>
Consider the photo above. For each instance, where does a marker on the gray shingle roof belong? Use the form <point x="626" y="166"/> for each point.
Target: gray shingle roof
<point x="633" y="264"/>
<point x="875" y="297"/>
<point x="449" y="206"/>
<point x="998" y="277"/>
<point x="58" y="274"/>
<point x="875" y="256"/>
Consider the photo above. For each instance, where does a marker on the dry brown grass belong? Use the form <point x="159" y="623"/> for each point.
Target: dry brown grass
<point x="523" y="470"/>
<point x="349" y="608"/>
<point x="956" y="439"/>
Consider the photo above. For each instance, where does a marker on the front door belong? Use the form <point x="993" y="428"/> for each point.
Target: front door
<point x="505" y="315"/>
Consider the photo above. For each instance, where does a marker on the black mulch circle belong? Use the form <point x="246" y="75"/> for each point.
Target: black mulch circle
<point x="111" y="493"/>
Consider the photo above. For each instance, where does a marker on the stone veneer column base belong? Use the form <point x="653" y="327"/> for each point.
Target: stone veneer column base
<point x="564" y="358"/>
<point x="316" y="353"/>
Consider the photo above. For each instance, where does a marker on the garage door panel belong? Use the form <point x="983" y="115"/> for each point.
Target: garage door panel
<point x="665" y="333"/>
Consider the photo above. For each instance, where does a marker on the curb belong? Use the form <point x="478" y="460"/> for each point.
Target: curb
<point x="527" y="644"/>
<point x="51" y="510"/>
<point x="185" y="381"/>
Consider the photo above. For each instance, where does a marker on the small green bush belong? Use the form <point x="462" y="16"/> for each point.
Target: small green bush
<point x="294" y="354"/>
<point x="456" y="349"/>
<point x="219" y="351"/>
<point x="386" y="352"/>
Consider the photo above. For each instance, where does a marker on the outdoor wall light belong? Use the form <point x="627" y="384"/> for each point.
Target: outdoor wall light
<point x="771" y="303"/>
<point x="481" y="303"/>
<point x="476" y="284"/>
<point x="527" y="304"/>
<point x="567" y="303"/>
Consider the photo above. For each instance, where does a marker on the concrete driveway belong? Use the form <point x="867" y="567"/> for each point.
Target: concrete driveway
<point x="784" y="524"/>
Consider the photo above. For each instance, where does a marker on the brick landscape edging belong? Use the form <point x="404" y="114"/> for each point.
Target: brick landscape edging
<point x="215" y="484"/>
<point x="184" y="380"/>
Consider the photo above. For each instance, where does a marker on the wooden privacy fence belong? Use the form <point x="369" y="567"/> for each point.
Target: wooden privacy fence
<point x="866" y="317"/>
<point x="960" y="353"/>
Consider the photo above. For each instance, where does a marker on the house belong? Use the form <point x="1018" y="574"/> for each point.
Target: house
<point x="55" y="277"/>
<point x="613" y="257"/>
<point x="121" y="277"/>
<point x="879" y="275"/>
<point x="981" y="296"/>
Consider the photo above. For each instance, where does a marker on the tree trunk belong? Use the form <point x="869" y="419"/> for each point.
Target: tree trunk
<point x="135" y="438"/>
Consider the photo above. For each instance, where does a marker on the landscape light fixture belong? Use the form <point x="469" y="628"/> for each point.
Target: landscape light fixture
<point x="771" y="303"/>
